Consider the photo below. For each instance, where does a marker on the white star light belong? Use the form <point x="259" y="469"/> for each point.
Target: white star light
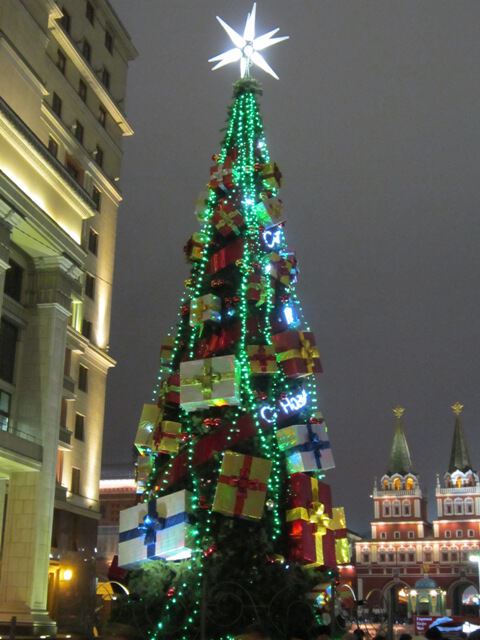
<point x="247" y="47"/>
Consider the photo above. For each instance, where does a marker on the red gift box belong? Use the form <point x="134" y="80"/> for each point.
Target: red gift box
<point x="205" y="447"/>
<point x="256" y="288"/>
<point x="227" y="219"/>
<point x="226" y="256"/>
<point x="297" y="353"/>
<point x="221" y="175"/>
<point x="170" y="390"/>
<point x="310" y="524"/>
<point x="225" y="338"/>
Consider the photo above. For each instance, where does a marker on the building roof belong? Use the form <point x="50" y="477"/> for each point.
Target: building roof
<point x="459" y="456"/>
<point x="400" y="460"/>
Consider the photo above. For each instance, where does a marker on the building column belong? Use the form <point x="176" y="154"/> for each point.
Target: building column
<point x="28" y="528"/>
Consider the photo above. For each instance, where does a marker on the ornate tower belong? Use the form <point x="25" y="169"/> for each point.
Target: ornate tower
<point x="458" y="500"/>
<point x="399" y="505"/>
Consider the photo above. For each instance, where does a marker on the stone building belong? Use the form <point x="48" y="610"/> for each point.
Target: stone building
<point x="424" y="567"/>
<point x="63" y="69"/>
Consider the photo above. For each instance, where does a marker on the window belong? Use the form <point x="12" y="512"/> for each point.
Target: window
<point x="86" y="328"/>
<point x="465" y="556"/>
<point x="447" y="507"/>
<point x="410" y="484"/>
<point x="469" y="506"/>
<point x="63" y="414"/>
<point x="61" y="60"/>
<point x="65" y="20"/>
<point x="79" y="432"/>
<point x="57" y="104"/>
<point x="93" y="241"/>
<point x="109" y="41"/>
<point x="401" y="557"/>
<point x="427" y="556"/>
<point x="90" y="12"/>
<point x="406" y="508"/>
<point x="391" y="557"/>
<point x="471" y="533"/>
<point x="78" y="131"/>
<point x="90" y="285"/>
<point x="96" y="197"/>
<point x="396" y="535"/>
<point x="13" y="280"/>
<point x="411" y="556"/>
<point x="444" y="556"/>
<point x="396" y="508"/>
<point x="458" y="506"/>
<point x="411" y="535"/>
<point x="53" y="147"/>
<point x="383" y="535"/>
<point x="72" y="169"/>
<point x="459" y="533"/>
<point x="86" y="50"/>
<point x="67" y="362"/>
<point x="397" y="484"/>
<point x="386" y="508"/>
<point x="448" y="533"/>
<point x="82" y="378"/>
<point x="99" y="156"/>
<point x="82" y="90"/>
<point x="5" y="399"/>
<point x="106" y="77"/>
<point x="8" y="349"/>
<point x="365" y="557"/>
<point x="75" y="486"/>
<point x="381" y="557"/>
<point x="454" y="556"/>
<point x="102" y="115"/>
<point x="77" y="311"/>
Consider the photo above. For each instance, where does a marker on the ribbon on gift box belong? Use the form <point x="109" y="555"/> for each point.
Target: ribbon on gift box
<point x="243" y="483"/>
<point x="263" y="355"/>
<point x="208" y="378"/>
<point x="314" y="445"/>
<point x="168" y="430"/>
<point x="256" y="283"/>
<point x="230" y="219"/>
<point x="201" y="305"/>
<point x="339" y="527"/>
<point x="307" y="351"/>
<point x="150" y="524"/>
<point x="314" y="514"/>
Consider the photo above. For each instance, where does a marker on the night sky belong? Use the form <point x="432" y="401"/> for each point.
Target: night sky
<point x="375" y="125"/>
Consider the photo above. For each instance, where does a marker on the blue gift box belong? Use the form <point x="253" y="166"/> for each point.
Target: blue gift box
<point x="306" y="446"/>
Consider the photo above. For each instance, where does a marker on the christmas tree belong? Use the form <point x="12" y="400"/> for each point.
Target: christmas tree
<point x="235" y="527"/>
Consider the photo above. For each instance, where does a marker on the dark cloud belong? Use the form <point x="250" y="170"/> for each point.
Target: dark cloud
<point x="374" y="123"/>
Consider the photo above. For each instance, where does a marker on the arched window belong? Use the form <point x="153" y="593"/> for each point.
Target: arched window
<point x="396" y="508"/>
<point x="397" y="484"/>
<point x="386" y="508"/>
<point x="458" y="506"/>
<point x="406" y="508"/>
<point x="447" y="507"/>
<point x="469" y="505"/>
<point x="410" y="483"/>
<point x="459" y="482"/>
<point x="386" y="484"/>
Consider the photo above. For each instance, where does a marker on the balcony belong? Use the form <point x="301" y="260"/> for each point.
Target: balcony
<point x="21" y="448"/>
<point x="392" y="493"/>
<point x="26" y="133"/>
<point x="64" y="439"/>
<point x="69" y="388"/>
<point x="452" y="491"/>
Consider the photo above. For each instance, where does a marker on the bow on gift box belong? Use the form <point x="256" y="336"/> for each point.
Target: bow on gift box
<point x="208" y="378"/>
<point x="307" y="351"/>
<point x="150" y="524"/>
<point x="204" y="308"/>
<point x="230" y="219"/>
<point x="314" y="445"/>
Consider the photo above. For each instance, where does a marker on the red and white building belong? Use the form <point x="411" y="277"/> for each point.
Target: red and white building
<point x="425" y="566"/>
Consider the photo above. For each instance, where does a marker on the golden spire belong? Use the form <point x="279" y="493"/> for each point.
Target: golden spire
<point x="457" y="408"/>
<point x="399" y="411"/>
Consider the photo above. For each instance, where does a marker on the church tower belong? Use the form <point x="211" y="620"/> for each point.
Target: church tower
<point x="400" y="510"/>
<point x="458" y="500"/>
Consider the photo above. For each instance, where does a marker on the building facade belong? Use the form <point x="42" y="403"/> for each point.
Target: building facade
<point x="63" y="69"/>
<point x="426" y="568"/>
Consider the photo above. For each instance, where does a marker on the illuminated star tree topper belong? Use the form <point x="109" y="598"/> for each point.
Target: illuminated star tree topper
<point x="247" y="47"/>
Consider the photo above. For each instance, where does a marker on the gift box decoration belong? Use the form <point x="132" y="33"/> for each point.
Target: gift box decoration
<point x="226" y="256"/>
<point x="342" y="546"/>
<point x="306" y="446"/>
<point x="205" y="309"/>
<point x="310" y="525"/>
<point x="170" y="390"/>
<point x="227" y="219"/>
<point x="225" y="338"/>
<point x="143" y="469"/>
<point x="297" y="353"/>
<point x="242" y="486"/>
<point x="209" y="382"/>
<point x="201" y="205"/>
<point x="167" y="437"/>
<point x="154" y="530"/>
<point x="262" y="358"/>
<point x="269" y="211"/>
<point x="271" y="175"/>
<point x="149" y="418"/>
<point x="195" y="246"/>
<point x="256" y="288"/>
<point x="166" y="349"/>
<point x="284" y="268"/>
<point x="221" y="174"/>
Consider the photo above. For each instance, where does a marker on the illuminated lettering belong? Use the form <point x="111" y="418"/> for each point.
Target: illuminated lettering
<point x="290" y="404"/>
<point x="272" y="238"/>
